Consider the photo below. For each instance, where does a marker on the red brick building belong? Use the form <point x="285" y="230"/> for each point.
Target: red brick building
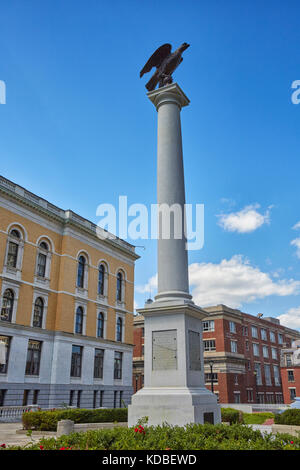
<point x="290" y="372"/>
<point x="243" y="350"/>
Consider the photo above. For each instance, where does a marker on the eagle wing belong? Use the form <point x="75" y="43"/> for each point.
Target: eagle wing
<point x="156" y="59"/>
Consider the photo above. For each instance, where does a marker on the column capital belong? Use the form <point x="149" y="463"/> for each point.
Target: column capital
<point x="171" y="93"/>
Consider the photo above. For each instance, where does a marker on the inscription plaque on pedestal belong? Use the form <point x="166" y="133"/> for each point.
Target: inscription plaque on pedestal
<point x="164" y="350"/>
<point x="194" y="350"/>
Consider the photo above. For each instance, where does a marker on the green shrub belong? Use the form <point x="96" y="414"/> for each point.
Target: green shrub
<point x="230" y="415"/>
<point x="291" y="417"/>
<point x="190" y="437"/>
<point x="47" y="420"/>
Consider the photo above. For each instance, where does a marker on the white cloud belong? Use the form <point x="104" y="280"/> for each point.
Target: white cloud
<point x="149" y="287"/>
<point x="231" y="282"/>
<point x="234" y="282"/>
<point x="296" y="243"/>
<point x="244" y="221"/>
<point x="296" y="226"/>
<point x="291" y="318"/>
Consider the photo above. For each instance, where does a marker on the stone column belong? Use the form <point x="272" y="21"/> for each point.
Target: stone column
<point x="174" y="390"/>
<point x="173" y="280"/>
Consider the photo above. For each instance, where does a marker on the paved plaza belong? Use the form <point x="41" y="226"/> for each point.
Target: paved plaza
<point x="9" y="436"/>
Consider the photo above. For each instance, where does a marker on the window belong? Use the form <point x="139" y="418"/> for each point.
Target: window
<point x="101" y="398"/>
<point x="42" y="259"/>
<point x="71" y="398"/>
<point x="2" y="396"/>
<point x="274" y="353"/>
<point x="292" y="393"/>
<point x="233" y="346"/>
<point x="76" y="361"/>
<point x="38" y="313"/>
<point x="119" y="287"/>
<point x="208" y="325"/>
<point x="258" y="373"/>
<point x="209" y="345"/>
<point x="280" y="338"/>
<point x="276" y="375"/>
<point x="121" y="399"/>
<point x="95" y="398"/>
<point x="100" y="325"/>
<point x="78" y="398"/>
<point x="118" y="365"/>
<point x="119" y="328"/>
<point x="237" y="397"/>
<point x="101" y="279"/>
<point x="255" y="349"/>
<point x="25" y="397"/>
<point x="33" y="357"/>
<point x="79" y="321"/>
<point x="98" y="363"/>
<point x="13" y="248"/>
<point x="288" y="360"/>
<point x="248" y="365"/>
<point x="232" y="327"/>
<point x="278" y="398"/>
<point x="245" y="330"/>
<point x="115" y="399"/>
<point x="6" y="341"/>
<point x="35" y="397"/>
<point x="291" y="377"/>
<point x="270" y="398"/>
<point x="250" y="395"/>
<point x="236" y="379"/>
<point x="7" y="305"/>
<point x="81" y="271"/>
<point x="272" y="336"/>
<point x="263" y="334"/>
<point x="247" y="345"/>
<point x="254" y="332"/>
<point x="268" y="374"/>
<point x="211" y="377"/>
<point x="265" y="351"/>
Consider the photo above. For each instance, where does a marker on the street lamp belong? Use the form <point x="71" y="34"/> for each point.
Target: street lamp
<point x="211" y="364"/>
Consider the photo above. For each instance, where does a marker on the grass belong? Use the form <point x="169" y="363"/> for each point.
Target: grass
<point x="256" y="418"/>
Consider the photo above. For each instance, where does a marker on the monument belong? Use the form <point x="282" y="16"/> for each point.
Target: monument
<point x="174" y="391"/>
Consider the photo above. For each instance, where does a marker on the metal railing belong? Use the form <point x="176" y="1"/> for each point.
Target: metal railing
<point x="14" y="413"/>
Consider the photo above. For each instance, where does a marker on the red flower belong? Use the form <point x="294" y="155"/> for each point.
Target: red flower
<point x="62" y="448"/>
<point x="3" y="445"/>
<point x="136" y="430"/>
<point x="42" y="447"/>
<point x="292" y="442"/>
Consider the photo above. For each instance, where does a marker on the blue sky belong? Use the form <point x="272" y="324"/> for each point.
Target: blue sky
<point x="78" y="129"/>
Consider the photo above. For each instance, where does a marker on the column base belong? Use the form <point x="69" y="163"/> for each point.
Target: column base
<point x="174" y="405"/>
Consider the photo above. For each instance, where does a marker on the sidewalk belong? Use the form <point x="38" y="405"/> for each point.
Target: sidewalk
<point x="9" y="437"/>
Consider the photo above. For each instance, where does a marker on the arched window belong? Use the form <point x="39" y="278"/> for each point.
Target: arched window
<point x="119" y="286"/>
<point x="42" y="259"/>
<point x="100" y="325"/>
<point x="101" y="279"/>
<point x="79" y="321"/>
<point x="80" y="271"/>
<point x="119" y="329"/>
<point x="7" y="305"/>
<point x="13" y="248"/>
<point x="38" y="312"/>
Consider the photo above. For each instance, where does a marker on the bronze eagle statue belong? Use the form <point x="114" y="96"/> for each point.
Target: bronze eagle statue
<point x="165" y="62"/>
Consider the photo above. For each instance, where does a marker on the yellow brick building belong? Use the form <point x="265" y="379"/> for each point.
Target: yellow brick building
<point x="66" y="306"/>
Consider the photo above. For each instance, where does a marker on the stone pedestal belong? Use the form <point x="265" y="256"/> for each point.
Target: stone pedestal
<point x="174" y="390"/>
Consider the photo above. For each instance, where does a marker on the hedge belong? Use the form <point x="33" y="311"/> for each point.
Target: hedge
<point x="190" y="437"/>
<point x="47" y="420"/>
<point x="230" y="415"/>
<point x="291" y="417"/>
